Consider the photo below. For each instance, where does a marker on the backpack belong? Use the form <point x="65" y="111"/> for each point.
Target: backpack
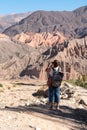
<point x="57" y="78"/>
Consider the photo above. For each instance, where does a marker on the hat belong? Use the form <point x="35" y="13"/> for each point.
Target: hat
<point x="55" y="63"/>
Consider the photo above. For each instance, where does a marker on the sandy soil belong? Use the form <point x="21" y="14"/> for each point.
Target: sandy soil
<point x="20" y="110"/>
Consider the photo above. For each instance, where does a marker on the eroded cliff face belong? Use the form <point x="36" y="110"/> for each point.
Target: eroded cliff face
<point x="21" y="60"/>
<point x="72" y="58"/>
<point x="40" y="39"/>
<point x="15" y="59"/>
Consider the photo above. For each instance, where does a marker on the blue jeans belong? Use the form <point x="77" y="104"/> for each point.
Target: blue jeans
<point x="54" y="94"/>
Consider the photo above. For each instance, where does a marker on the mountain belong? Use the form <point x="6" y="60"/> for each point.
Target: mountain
<point x="42" y="37"/>
<point x="11" y="19"/>
<point x="15" y="58"/>
<point x="70" y="23"/>
<point x="21" y="60"/>
<point x="39" y="39"/>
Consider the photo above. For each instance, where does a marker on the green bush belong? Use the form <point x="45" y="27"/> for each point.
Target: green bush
<point x="71" y="81"/>
<point x="85" y="85"/>
<point x="80" y="81"/>
<point x="1" y="85"/>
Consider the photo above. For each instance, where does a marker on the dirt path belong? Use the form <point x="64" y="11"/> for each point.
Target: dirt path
<point x="20" y="110"/>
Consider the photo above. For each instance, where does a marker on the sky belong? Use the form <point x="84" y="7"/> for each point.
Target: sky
<point x="22" y="6"/>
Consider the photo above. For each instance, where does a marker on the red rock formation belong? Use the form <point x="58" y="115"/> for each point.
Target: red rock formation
<point x="39" y="39"/>
<point x="22" y="60"/>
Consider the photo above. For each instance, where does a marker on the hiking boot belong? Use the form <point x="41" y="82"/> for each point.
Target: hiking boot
<point x="57" y="108"/>
<point x="51" y="107"/>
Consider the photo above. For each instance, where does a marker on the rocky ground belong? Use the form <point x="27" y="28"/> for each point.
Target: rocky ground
<point x="20" y="109"/>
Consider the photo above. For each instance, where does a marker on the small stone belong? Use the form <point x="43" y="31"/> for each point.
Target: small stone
<point x="37" y="128"/>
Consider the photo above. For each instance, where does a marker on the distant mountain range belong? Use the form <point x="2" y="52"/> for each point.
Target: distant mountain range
<point x="11" y="19"/>
<point x="40" y="37"/>
<point x="70" y="23"/>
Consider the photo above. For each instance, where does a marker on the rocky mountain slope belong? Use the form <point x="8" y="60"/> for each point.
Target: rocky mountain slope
<point x="11" y="19"/>
<point x="22" y="60"/>
<point x="33" y="43"/>
<point x="14" y="58"/>
<point x="42" y="37"/>
<point x="71" y="24"/>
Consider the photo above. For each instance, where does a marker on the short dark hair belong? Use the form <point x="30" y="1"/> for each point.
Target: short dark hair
<point x="55" y="63"/>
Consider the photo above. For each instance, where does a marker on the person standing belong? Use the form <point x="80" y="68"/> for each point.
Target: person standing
<point x="54" y="87"/>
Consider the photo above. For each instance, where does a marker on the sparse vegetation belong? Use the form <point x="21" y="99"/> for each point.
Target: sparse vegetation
<point x="80" y="81"/>
<point x="1" y="85"/>
<point x="14" y="85"/>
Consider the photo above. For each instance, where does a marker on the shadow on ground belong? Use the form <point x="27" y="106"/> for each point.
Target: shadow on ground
<point x="25" y="84"/>
<point x="28" y="84"/>
<point x="78" y="116"/>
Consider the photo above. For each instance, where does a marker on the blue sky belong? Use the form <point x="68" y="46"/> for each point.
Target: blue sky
<point x="20" y="6"/>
